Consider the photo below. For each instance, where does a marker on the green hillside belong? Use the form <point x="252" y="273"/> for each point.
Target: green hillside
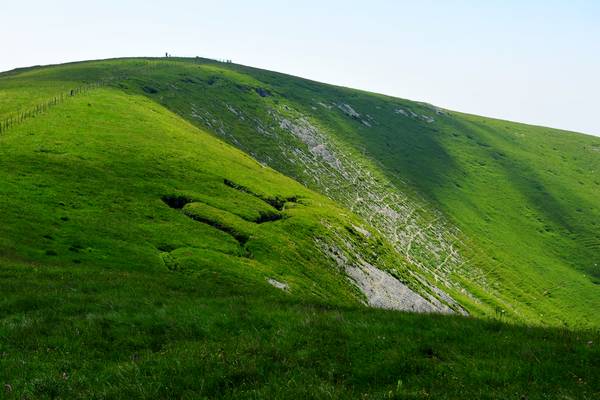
<point x="512" y="209"/>
<point x="187" y="228"/>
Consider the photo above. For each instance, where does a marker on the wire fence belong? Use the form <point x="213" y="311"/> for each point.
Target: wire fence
<point x="17" y="118"/>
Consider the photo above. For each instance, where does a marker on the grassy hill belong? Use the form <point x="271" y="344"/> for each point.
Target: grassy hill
<point x="141" y="256"/>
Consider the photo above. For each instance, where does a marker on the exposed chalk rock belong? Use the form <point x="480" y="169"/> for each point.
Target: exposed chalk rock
<point x="383" y="290"/>
<point x="278" y="285"/>
<point x="348" y="110"/>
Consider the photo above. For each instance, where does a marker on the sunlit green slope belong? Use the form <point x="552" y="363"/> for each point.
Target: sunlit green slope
<point x="112" y="180"/>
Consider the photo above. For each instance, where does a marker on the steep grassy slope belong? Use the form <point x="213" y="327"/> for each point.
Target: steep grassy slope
<point x="142" y="257"/>
<point x="524" y="198"/>
<point x="502" y="216"/>
<point x="116" y="181"/>
<point x="347" y="246"/>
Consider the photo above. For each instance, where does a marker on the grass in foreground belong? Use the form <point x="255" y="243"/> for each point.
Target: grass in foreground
<point x="91" y="333"/>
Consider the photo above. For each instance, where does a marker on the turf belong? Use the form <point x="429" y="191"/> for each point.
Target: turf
<point x="88" y="332"/>
<point x="136" y="245"/>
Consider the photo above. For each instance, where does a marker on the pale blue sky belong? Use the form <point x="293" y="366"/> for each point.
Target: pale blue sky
<point x="528" y="61"/>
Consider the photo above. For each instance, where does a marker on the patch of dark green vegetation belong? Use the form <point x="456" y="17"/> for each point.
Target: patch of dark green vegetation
<point x="268" y="217"/>
<point x="236" y="186"/>
<point x="175" y="201"/>
<point x="149" y="90"/>
<point x="277" y="202"/>
<point x="241" y="237"/>
<point x="165" y="247"/>
<point x="263" y="92"/>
